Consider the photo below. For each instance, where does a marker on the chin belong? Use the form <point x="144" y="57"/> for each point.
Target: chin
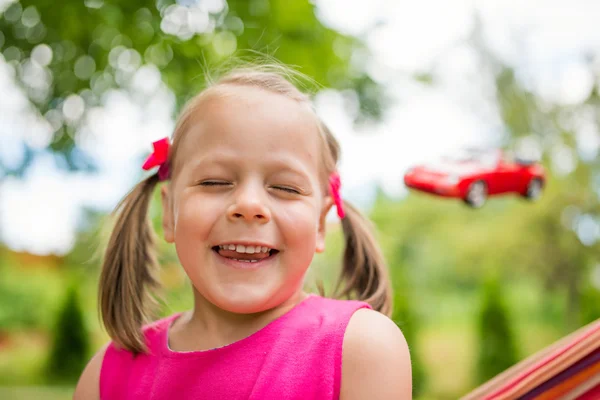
<point x="245" y="300"/>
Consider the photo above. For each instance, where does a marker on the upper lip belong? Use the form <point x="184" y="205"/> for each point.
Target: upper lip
<point x="247" y="243"/>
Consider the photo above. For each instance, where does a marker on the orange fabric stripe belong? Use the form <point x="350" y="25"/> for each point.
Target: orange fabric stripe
<point x="571" y="383"/>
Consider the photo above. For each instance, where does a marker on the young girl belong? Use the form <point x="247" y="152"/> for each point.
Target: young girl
<point x="250" y="177"/>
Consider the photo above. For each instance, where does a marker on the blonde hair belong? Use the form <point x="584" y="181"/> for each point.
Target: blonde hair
<point x="128" y="277"/>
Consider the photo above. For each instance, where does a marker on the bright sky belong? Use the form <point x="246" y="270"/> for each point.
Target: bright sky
<point x="545" y="40"/>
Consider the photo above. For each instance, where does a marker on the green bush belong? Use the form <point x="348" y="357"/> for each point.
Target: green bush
<point x="404" y="318"/>
<point x="27" y="298"/>
<point x="70" y="342"/>
<point x="589" y="309"/>
<point x="497" y="349"/>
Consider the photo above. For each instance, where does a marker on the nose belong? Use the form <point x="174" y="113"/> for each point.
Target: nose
<point x="249" y="205"/>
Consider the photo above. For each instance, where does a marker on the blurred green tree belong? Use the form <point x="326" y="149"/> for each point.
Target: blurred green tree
<point x="404" y="316"/>
<point x="589" y="304"/>
<point x="70" y="346"/>
<point x="497" y="348"/>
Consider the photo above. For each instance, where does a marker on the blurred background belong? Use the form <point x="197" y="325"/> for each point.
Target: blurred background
<point x="86" y="86"/>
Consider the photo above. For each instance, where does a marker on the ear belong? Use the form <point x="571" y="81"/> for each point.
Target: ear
<point x="167" y="224"/>
<point x="320" y="245"/>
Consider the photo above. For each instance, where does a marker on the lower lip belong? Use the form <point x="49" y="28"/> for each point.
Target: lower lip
<point x="244" y="264"/>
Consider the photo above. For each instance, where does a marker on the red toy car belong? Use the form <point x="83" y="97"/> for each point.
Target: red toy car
<point x="476" y="174"/>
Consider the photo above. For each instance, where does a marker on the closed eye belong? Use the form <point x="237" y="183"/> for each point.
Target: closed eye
<point x="287" y="189"/>
<point x="224" y="183"/>
<point x="214" y="183"/>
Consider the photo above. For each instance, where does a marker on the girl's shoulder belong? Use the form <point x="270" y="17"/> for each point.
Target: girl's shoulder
<point x="376" y="358"/>
<point x="368" y="346"/>
<point x="115" y="363"/>
<point x="89" y="384"/>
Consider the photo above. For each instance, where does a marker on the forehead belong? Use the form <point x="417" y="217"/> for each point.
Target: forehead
<point x="251" y="125"/>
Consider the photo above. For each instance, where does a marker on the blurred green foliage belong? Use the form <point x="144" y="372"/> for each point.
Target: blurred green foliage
<point x="89" y="47"/>
<point x="589" y="304"/>
<point x="497" y="348"/>
<point x="27" y="297"/>
<point x="70" y="346"/>
<point x="405" y="318"/>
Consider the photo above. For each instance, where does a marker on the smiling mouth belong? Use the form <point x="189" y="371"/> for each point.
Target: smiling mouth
<point x="244" y="257"/>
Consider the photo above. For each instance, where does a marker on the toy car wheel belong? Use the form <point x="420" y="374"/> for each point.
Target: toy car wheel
<point x="476" y="194"/>
<point x="534" y="189"/>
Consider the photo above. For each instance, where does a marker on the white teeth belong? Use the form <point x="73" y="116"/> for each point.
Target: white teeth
<point x="240" y="248"/>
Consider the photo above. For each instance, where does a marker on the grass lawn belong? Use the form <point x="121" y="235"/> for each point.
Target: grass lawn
<point x="36" y="393"/>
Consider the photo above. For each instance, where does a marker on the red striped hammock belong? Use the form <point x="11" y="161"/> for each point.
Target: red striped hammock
<point x="567" y="370"/>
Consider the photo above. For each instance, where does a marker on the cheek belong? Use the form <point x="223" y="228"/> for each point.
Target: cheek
<point x="193" y="218"/>
<point x="299" y="225"/>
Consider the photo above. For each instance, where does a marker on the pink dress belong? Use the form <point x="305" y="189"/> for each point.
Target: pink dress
<point x="297" y="356"/>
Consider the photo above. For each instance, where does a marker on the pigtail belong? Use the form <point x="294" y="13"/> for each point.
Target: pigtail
<point x="128" y="270"/>
<point x="364" y="271"/>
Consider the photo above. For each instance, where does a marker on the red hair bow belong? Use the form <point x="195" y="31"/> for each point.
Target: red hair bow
<point x="335" y="184"/>
<point x="159" y="158"/>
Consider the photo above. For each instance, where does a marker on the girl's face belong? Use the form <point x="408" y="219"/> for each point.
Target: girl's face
<point x="247" y="179"/>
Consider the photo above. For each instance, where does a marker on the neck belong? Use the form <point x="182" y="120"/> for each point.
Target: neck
<point x="207" y="326"/>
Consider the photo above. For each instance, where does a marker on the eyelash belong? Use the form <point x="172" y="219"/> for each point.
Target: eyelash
<point x="214" y="183"/>
<point x="286" y="189"/>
